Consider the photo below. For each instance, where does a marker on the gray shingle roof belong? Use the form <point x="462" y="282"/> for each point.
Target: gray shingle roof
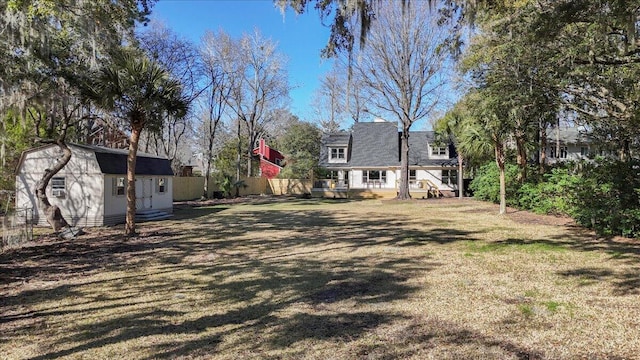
<point x="377" y="144"/>
<point x="570" y="135"/>
<point x="114" y="161"/>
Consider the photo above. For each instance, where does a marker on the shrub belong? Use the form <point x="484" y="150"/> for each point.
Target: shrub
<point x="486" y="183"/>
<point x="603" y="195"/>
<point x="550" y="195"/>
<point x="607" y="197"/>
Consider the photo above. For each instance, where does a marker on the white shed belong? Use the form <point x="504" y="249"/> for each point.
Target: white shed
<point x="91" y="189"/>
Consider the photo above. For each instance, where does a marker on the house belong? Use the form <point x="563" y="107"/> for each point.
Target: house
<point x="566" y="144"/>
<point x="91" y="189"/>
<point x="270" y="160"/>
<point x="366" y="162"/>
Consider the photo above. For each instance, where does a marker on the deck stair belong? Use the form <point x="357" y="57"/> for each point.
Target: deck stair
<point x="151" y="215"/>
<point x="433" y="190"/>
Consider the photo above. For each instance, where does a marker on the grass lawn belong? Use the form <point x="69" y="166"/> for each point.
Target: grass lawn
<point x="325" y="279"/>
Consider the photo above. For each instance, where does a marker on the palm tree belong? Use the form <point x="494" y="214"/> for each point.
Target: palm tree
<point x="476" y="124"/>
<point x="141" y="92"/>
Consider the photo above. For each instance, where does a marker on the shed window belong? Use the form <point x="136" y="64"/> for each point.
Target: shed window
<point x="58" y="186"/>
<point x="161" y="185"/>
<point x="118" y="186"/>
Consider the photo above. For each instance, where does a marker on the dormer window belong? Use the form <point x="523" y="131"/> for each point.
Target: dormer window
<point x="439" y="150"/>
<point x="338" y="153"/>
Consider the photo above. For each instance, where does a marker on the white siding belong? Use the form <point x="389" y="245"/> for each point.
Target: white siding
<point x="88" y="198"/>
<point x="434" y="175"/>
<point x="114" y="204"/>
<point x="355" y="179"/>
<point x="81" y="203"/>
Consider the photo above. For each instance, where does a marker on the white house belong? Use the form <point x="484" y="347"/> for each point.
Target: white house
<point x="91" y="189"/>
<point x="368" y="158"/>
<point x="566" y="144"/>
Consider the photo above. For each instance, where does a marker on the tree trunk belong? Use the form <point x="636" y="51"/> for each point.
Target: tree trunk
<point x="207" y="171"/>
<point x="52" y="212"/>
<point x="521" y="157"/>
<point x="543" y="148"/>
<point x="460" y="176"/>
<point x="212" y="135"/>
<point x="238" y="161"/>
<point x="130" y="226"/>
<point x="403" y="189"/>
<point x="558" y="140"/>
<point x="500" y="160"/>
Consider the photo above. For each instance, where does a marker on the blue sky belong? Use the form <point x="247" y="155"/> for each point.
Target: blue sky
<point x="299" y="37"/>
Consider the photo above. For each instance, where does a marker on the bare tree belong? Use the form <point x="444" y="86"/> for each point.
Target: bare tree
<point x="328" y="101"/>
<point x="214" y="49"/>
<point x="402" y="68"/>
<point x="259" y="83"/>
<point x="180" y="57"/>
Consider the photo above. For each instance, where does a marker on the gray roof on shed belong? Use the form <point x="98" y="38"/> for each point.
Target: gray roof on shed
<point x="114" y="161"/>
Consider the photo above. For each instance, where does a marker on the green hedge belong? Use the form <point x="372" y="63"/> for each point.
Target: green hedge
<point x="603" y="195"/>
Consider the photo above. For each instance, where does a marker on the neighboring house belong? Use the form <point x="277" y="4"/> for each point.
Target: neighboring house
<point x="565" y="144"/>
<point x="91" y="189"/>
<point x="270" y="160"/>
<point x="366" y="161"/>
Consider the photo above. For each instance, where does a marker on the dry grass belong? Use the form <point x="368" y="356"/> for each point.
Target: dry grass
<point x="313" y="279"/>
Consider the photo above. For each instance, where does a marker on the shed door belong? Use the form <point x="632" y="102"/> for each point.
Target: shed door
<point x="144" y="193"/>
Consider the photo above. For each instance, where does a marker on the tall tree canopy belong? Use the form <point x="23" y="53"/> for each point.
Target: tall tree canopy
<point x="142" y="92"/>
<point x="402" y="69"/>
<point x="47" y="49"/>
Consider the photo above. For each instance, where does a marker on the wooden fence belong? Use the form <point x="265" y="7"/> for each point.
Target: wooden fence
<point x="191" y="188"/>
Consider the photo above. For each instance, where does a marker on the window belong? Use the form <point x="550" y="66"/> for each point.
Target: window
<point x="58" y="186"/>
<point x="118" y="186"/>
<point x="374" y="176"/>
<point x="584" y="151"/>
<point x="338" y="153"/>
<point x="412" y="175"/>
<point x="161" y="185"/>
<point x="563" y="152"/>
<point x="439" y="150"/>
<point x="450" y="177"/>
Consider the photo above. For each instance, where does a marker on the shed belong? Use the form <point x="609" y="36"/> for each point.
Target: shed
<point x="91" y="189"/>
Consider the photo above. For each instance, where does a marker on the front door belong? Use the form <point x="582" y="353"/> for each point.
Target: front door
<point x="144" y="193"/>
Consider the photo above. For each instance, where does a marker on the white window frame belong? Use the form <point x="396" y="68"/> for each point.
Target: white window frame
<point x="451" y="174"/>
<point x="337" y="153"/>
<point x="161" y="185"/>
<point x="381" y="178"/>
<point x="119" y="185"/>
<point x="58" y="186"/>
<point x="438" y="150"/>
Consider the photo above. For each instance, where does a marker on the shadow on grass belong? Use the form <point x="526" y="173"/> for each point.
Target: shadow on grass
<point x="192" y="213"/>
<point x="281" y="251"/>
<point x="624" y="282"/>
<point x="250" y="257"/>
<point x="626" y="250"/>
